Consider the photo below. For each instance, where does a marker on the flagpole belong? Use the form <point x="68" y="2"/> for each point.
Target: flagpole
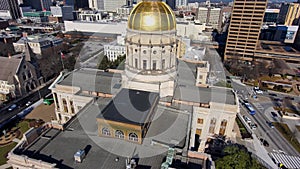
<point x="61" y="54"/>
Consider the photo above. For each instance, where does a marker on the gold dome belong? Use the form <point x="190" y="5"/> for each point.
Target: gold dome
<point x="152" y="16"/>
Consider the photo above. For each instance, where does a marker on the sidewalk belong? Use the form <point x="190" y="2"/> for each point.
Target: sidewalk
<point x="5" y="166"/>
<point x="261" y="152"/>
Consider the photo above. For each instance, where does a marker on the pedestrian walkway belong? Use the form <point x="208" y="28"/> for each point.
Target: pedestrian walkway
<point x="258" y="106"/>
<point x="261" y="152"/>
<point x="5" y="166"/>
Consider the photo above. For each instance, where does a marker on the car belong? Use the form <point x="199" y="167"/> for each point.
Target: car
<point x="273" y="94"/>
<point x="28" y="103"/>
<point x="273" y="114"/>
<point x="290" y="98"/>
<point x="253" y="126"/>
<point x="247" y="119"/>
<point x="259" y="91"/>
<point x="12" y="107"/>
<point x="264" y="142"/>
<point x="270" y="124"/>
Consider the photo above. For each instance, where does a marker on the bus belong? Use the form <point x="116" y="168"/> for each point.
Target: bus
<point x="250" y="108"/>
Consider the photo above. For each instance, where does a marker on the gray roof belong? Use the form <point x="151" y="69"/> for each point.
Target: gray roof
<point x="130" y="106"/>
<point x="8" y="68"/>
<point x="169" y="127"/>
<point x="204" y="95"/>
<point x="93" y="80"/>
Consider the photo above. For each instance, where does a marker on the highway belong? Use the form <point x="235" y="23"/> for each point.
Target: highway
<point x="271" y="135"/>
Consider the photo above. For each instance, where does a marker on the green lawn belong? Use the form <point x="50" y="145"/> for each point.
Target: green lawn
<point x="287" y="134"/>
<point x="23" y="126"/>
<point x="4" y="150"/>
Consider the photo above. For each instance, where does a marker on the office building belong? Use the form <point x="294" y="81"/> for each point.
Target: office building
<point x="289" y="14"/>
<point x="202" y="14"/>
<point x="271" y="16"/>
<point x="181" y="2"/>
<point x="112" y="6"/>
<point x="96" y="4"/>
<point x="244" y="29"/>
<point x="38" y="5"/>
<point x="209" y="16"/>
<point x="12" y="6"/>
<point x="81" y="4"/>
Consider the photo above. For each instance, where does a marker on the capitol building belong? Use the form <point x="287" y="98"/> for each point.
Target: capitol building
<point x="159" y="101"/>
<point x="152" y="49"/>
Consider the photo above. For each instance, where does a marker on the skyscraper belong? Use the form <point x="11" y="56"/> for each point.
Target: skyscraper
<point x="245" y="25"/>
<point x="289" y="14"/>
<point x="12" y="6"/>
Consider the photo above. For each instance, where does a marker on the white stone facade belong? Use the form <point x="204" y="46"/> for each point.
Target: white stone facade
<point x="218" y="118"/>
<point x="112" y="52"/>
<point x="151" y="61"/>
<point x="202" y="74"/>
<point x="202" y="14"/>
<point x="67" y="103"/>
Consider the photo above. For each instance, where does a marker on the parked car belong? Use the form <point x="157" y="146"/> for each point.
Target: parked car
<point x="290" y="98"/>
<point x="264" y="142"/>
<point x="247" y="119"/>
<point x="12" y="107"/>
<point x="273" y="114"/>
<point x="28" y="103"/>
<point x="270" y="124"/>
<point x="253" y="126"/>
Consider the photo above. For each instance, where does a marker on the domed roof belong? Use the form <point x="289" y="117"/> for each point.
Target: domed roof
<point x="151" y="16"/>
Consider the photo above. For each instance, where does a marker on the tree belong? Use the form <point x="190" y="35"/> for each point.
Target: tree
<point x="237" y="157"/>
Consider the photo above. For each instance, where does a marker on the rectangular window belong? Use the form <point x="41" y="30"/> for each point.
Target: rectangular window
<point x="136" y="63"/>
<point x="144" y="64"/>
<point x="154" y="65"/>
<point x="200" y="121"/>
<point x="199" y="131"/>
<point x="163" y="64"/>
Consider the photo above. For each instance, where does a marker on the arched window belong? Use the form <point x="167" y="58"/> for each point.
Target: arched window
<point x="105" y="131"/>
<point x="223" y="127"/>
<point x="212" y="125"/>
<point x="119" y="134"/>
<point x="133" y="137"/>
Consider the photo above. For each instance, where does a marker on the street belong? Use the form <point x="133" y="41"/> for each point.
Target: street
<point x="263" y="109"/>
<point x="6" y="115"/>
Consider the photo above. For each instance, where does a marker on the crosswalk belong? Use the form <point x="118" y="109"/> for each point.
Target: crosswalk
<point x="258" y="106"/>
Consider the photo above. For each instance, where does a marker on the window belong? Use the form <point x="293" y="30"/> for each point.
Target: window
<point x="212" y="125"/>
<point x="223" y="127"/>
<point x="119" y="134"/>
<point x="105" y="131"/>
<point x="136" y="63"/>
<point x="144" y="64"/>
<point x="199" y="131"/>
<point x="65" y="105"/>
<point x="154" y="52"/>
<point x="163" y="64"/>
<point x="200" y="121"/>
<point x="133" y="137"/>
<point x="154" y="65"/>
<point x="144" y="51"/>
